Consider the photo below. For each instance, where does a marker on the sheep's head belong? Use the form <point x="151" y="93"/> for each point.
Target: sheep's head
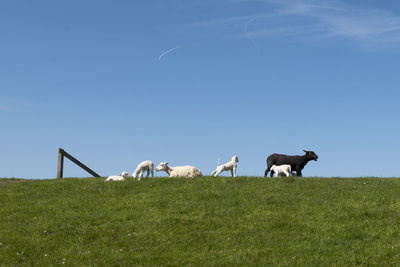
<point x="123" y="174"/>
<point x="235" y="158"/>
<point x="311" y="155"/>
<point x="163" y="166"/>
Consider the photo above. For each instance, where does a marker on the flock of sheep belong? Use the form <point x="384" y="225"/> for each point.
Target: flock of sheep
<point x="276" y="163"/>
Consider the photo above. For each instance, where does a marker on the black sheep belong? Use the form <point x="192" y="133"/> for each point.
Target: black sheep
<point x="296" y="162"/>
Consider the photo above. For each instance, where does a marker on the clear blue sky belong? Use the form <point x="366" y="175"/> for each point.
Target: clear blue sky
<point x="118" y="82"/>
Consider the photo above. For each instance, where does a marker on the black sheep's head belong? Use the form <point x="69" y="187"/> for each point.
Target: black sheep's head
<point x="311" y="155"/>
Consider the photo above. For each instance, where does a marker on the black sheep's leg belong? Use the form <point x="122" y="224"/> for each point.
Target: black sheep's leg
<point x="266" y="172"/>
<point x="272" y="173"/>
<point x="298" y="173"/>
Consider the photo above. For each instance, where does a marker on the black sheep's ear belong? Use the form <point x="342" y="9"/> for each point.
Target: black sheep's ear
<point x="306" y="151"/>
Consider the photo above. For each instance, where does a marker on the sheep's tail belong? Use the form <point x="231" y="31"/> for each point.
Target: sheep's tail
<point x="219" y="162"/>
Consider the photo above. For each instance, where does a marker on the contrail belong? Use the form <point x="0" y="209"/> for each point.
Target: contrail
<point x="169" y="51"/>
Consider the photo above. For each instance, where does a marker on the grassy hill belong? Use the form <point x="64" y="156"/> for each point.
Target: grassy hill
<point x="243" y="221"/>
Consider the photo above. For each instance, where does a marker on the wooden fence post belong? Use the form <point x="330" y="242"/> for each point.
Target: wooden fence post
<point x="60" y="166"/>
<point x="61" y="154"/>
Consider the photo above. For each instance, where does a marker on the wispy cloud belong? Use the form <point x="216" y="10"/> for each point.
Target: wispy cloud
<point x="370" y="27"/>
<point x="302" y="20"/>
<point x="9" y="108"/>
<point x="168" y="51"/>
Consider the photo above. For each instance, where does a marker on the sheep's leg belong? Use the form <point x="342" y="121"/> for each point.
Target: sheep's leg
<point x="298" y="172"/>
<point x="234" y="172"/>
<point x="213" y="173"/>
<point x="233" y="175"/>
<point x="217" y="172"/>
<point x="152" y="173"/>
<point x="266" y="172"/>
<point x="148" y="173"/>
<point x="272" y="173"/>
<point x="286" y="173"/>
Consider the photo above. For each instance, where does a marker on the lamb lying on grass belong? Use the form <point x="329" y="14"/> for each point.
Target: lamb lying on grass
<point x="120" y="177"/>
<point x="179" y="171"/>
<point x="142" y="167"/>
<point x="282" y="169"/>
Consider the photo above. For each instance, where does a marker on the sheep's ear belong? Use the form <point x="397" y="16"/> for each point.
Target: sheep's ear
<point x="166" y="163"/>
<point x="305" y="151"/>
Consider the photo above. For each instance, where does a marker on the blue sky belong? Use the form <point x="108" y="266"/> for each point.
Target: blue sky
<point x="188" y="82"/>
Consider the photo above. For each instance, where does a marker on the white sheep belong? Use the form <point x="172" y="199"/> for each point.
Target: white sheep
<point x="231" y="165"/>
<point x="120" y="177"/>
<point x="147" y="165"/>
<point x="282" y="169"/>
<point x="179" y="171"/>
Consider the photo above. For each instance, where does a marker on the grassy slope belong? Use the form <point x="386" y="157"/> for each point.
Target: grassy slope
<point x="205" y="221"/>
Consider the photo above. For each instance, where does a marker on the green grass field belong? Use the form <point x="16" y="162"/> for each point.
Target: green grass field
<point x="245" y="221"/>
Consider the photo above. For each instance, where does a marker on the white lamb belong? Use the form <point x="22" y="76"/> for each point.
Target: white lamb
<point x="147" y="165"/>
<point x="231" y="165"/>
<point x="179" y="171"/>
<point x="120" y="177"/>
<point x="282" y="169"/>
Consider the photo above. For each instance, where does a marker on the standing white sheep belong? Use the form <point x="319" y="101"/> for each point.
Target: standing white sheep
<point x="282" y="169"/>
<point x="179" y="171"/>
<point x="231" y="165"/>
<point x="147" y="165"/>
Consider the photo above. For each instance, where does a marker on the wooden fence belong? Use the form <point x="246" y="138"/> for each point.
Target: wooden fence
<point x="60" y="166"/>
